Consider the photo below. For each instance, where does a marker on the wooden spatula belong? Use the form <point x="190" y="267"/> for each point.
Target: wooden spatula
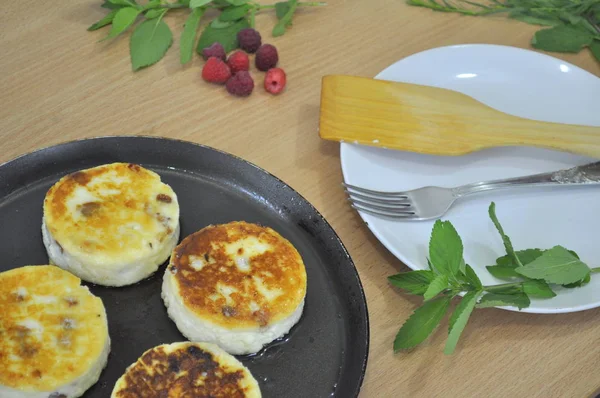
<point x="436" y="121"/>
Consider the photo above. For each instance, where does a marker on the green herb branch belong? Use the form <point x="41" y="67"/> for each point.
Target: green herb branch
<point x="530" y="273"/>
<point x="152" y="37"/>
<point x="573" y="24"/>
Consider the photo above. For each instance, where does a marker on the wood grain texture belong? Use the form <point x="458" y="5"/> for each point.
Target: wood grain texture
<point x="433" y="120"/>
<point x="58" y="84"/>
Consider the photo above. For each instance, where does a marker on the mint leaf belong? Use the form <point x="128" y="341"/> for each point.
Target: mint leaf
<point x="580" y="283"/>
<point x="234" y="13"/>
<point x="519" y="300"/>
<point x="421" y="323"/>
<point x="281" y="9"/>
<point x="152" y="4"/>
<point x="536" y="288"/>
<point x="471" y="277"/>
<point x="562" y="38"/>
<point x="525" y="257"/>
<point x="123" y="2"/>
<point x="438" y="285"/>
<point x="502" y="272"/>
<point x="286" y="19"/>
<point x="154" y="13"/>
<point x="188" y="35"/>
<point x="198" y="3"/>
<point x="556" y="265"/>
<point x="414" y="282"/>
<point x="595" y="49"/>
<point x="459" y="319"/>
<point x="108" y="18"/>
<point x="507" y="243"/>
<point x="533" y="20"/>
<point x="226" y="36"/>
<point x="122" y="20"/>
<point x="149" y="43"/>
<point x="237" y="2"/>
<point x="111" y="6"/>
<point x="445" y="249"/>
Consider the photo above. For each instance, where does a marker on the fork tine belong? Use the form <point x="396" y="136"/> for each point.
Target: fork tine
<point x="391" y="207"/>
<point x="374" y="193"/>
<point x="391" y="201"/>
<point x="393" y="216"/>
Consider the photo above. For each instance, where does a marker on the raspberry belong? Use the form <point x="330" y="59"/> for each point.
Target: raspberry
<point x="241" y="84"/>
<point x="238" y="61"/>
<point x="214" y="50"/>
<point x="249" y="40"/>
<point x="275" y="80"/>
<point x="266" y="57"/>
<point x="216" y="71"/>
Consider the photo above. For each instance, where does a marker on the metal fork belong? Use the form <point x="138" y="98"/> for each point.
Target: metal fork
<point x="433" y="202"/>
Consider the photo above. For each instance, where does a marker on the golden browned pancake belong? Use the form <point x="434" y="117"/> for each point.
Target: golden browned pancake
<point x="239" y="285"/>
<point x="186" y="370"/>
<point x="112" y="225"/>
<point x="53" y="333"/>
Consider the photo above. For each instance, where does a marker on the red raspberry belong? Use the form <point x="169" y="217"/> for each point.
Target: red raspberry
<point x="249" y="40"/>
<point x="266" y="57"/>
<point x="241" y="84"/>
<point x="216" y="71"/>
<point x="238" y="61"/>
<point x="214" y="50"/>
<point x="275" y="80"/>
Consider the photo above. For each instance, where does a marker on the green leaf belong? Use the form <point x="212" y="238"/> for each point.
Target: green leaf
<point x="123" y="2"/>
<point x="281" y="9"/>
<point x="438" y="285"/>
<point x="154" y="13"/>
<point x="502" y="272"/>
<point x="234" y="13"/>
<point x="152" y="4"/>
<point x="149" y="43"/>
<point x="123" y="19"/>
<point x="286" y="19"/>
<point x="519" y="300"/>
<point x="414" y="282"/>
<point x="459" y="319"/>
<point x="237" y="2"/>
<point x="226" y="36"/>
<point x="533" y="20"/>
<point x="507" y="243"/>
<point x="562" y="38"/>
<point x="188" y="35"/>
<point x="525" y="257"/>
<point x="595" y="49"/>
<point x="218" y="24"/>
<point x="535" y="288"/>
<point x="472" y="278"/>
<point x="108" y="18"/>
<point x="421" y="323"/>
<point x="556" y="265"/>
<point x="198" y="3"/>
<point x="580" y="283"/>
<point x="445" y="249"/>
<point x="110" y="6"/>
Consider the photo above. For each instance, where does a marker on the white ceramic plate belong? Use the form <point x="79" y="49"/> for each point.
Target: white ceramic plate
<point x="522" y="83"/>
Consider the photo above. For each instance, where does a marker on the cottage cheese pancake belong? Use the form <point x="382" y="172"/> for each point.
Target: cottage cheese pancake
<point x="186" y="370"/>
<point x="54" y="338"/>
<point x="111" y="225"/>
<point x="238" y="285"/>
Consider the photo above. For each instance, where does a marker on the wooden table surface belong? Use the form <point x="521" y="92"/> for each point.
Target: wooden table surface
<point x="58" y="83"/>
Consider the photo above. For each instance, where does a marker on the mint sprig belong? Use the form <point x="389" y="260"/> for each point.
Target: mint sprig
<point x="149" y="43"/>
<point x="532" y="273"/>
<point x="569" y="26"/>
